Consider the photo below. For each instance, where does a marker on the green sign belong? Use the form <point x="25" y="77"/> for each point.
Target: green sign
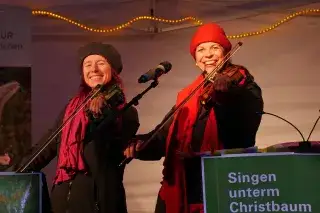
<point x="272" y="182"/>
<point x="20" y="192"/>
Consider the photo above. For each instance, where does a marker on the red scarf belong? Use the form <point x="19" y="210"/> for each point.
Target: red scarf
<point x="173" y="187"/>
<point x="70" y="159"/>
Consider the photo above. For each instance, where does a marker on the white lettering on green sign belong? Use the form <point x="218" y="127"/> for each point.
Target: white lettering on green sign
<point x="254" y="179"/>
<point x="239" y="207"/>
<point x="254" y="193"/>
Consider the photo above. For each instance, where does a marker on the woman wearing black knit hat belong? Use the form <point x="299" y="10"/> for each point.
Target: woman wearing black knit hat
<point x="88" y="178"/>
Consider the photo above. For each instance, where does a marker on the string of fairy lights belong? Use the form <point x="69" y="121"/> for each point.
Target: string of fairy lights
<point x="194" y="20"/>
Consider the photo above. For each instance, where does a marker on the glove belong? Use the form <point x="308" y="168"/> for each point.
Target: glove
<point x="222" y="82"/>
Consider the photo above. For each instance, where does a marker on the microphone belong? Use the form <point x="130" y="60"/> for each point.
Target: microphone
<point x="314" y="126"/>
<point x="305" y="145"/>
<point x="267" y="113"/>
<point x="153" y="74"/>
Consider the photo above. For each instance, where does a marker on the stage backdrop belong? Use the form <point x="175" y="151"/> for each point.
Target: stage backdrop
<point x="15" y="80"/>
<point x="15" y="98"/>
<point x="284" y="62"/>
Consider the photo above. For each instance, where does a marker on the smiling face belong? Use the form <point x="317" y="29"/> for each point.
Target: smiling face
<point x="208" y="55"/>
<point x="96" y="70"/>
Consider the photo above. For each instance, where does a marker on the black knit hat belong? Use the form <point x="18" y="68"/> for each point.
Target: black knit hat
<point x="106" y="50"/>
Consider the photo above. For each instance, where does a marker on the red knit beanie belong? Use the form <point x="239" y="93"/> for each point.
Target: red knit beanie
<point x="209" y="32"/>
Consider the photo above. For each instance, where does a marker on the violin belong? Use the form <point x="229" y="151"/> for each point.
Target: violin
<point x="113" y="97"/>
<point x="206" y="97"/>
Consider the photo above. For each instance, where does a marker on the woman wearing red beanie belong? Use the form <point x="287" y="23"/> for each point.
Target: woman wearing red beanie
<point x="230" y="122"/>
<point x="88" y="178"/>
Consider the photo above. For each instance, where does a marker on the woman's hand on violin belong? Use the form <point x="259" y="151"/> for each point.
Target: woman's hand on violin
<point x="96" y="104"/>
<point x="5" y="159"/>
<point x="132" y="149"/>
<point x="222" y="82"/>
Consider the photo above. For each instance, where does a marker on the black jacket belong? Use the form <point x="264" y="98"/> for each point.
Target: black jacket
<point x="102" y="155"/>
<point x="237" y="121"/>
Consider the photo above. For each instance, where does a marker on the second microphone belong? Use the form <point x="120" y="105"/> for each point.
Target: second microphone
<point x="152" y="74"/>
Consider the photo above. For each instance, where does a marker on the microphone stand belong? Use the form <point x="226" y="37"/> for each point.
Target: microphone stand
<point x="57" y="131"/>
<point x="134" y="101"/>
